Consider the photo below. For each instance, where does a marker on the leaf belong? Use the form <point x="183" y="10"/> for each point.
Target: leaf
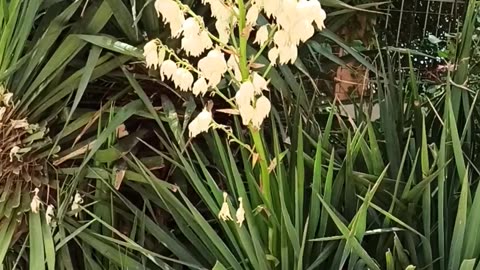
<point x="124" y="18"/>
<point x="219" y="266"/>
<point x="112" y="44"/>
<point x="49" y="245"/>
<point x="468" y="264"/>
<point x="37" y="252"/>
<point x="458" y="236"/>
<point x="7" y="229"/>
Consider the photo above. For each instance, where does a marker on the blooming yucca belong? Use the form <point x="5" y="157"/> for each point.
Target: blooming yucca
<point x="291" y="22"/>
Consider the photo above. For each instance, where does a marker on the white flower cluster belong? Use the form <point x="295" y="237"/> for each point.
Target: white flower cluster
<point x="210" y="69"/>
<point x="226" y="16"/>
<point x="291" y="22"/>
<point x="171" y="14"/>
<point x="252" y="104"/>
<point x="195" y="39"/>
<point x="295" y="22"/>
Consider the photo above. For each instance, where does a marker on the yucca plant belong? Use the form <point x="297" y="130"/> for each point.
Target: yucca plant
<point x="41" y="88"/>
<point x="359" y="213"/>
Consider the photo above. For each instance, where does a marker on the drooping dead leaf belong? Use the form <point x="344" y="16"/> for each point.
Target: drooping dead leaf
<point x="119" y="176"/>
<point x="82" y="150"/>
<point x="122" y="131"/>
<point x="7" y="99"/>
<point x="228" y="111"/>
<point x="272" y="165"/>
<point x="255" y="157"/>
<point x="18" y="124"/>
<point x="256" y="65"/>
<point x="14" y="152"/>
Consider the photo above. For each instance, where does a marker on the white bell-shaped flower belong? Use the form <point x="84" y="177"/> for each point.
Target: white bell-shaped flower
<point x="213" y="66"/>
<point x="245" y="94"/>
<point x="287" y="15"/>
<point x="246" y="113"/>
<point x="195" y="40"/>
<point x="200" y="124"/>
<point x="273" y="55"/>
<point x="205" y="40"/>
<point x="320" y="19"/>
<point x="167" y="69"/>
<point x="259" y="83"/>
<point x="191" y="27"/>
<point x="150" y="52"/>
<point x="192" y="45"/>
<point x="172" y="14"/>
<point x="262" y="109"/>
<point x="200" y="87"/>
<point x="219" y="9"/>
<point x="288" y="54"/>
<point x="262" y="35"/>
<point x="252" y="15"/>
<point x="223" y="29"/>
<point x="303" y="31"/>
<point x="183" y="79"/>
<point x="281" y="38"/>
<point x="271" y="7"/>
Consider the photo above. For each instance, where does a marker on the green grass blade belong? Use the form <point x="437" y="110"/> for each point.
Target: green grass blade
<point x="37" y="252"/>
<point x="315" y="206"/>
<point x="112" y="44"/>
<point x="327" y="195"/>
<point x="468" y="264"/>
<point x="472" y="241"/>
<point x="49" y="245"/>
<point x="124" y="18"/>
<point x="456" y="254"/>
<point x="7" y="229"/>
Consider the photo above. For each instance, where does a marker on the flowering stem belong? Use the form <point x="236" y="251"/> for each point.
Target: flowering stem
<point x="244" y="69"/>
<point x="265" y="176"/>
<point x="243" y="35"/>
